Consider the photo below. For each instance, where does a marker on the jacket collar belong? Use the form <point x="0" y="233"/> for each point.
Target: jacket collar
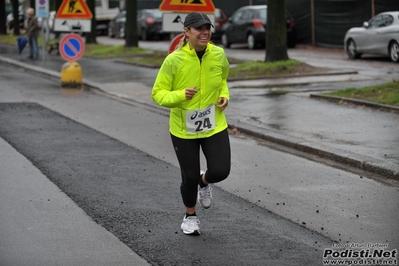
<point x="190" y="51"/>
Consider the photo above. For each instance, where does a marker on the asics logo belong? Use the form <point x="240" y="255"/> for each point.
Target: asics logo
<point x="200" y="114"/>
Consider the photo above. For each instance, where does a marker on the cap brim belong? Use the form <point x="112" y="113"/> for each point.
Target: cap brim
<point x="200" y="23"/>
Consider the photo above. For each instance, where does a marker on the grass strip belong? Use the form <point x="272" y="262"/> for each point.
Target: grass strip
<point x="387" y="93"/>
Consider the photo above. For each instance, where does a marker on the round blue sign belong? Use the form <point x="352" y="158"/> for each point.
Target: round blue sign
<point x="71" y="47"/>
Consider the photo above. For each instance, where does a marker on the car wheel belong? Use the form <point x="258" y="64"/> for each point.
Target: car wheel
<point x="394" y="51"/>
<point x="225" y="41"/>
<point x="144" y="36"/>
<point x="251" y="41"/>
<point x="352" y="50"/>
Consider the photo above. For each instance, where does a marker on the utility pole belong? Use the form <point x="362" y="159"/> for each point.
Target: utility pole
<point x="372" y="8"/>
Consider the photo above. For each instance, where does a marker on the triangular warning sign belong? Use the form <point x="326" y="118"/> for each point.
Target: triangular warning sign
<point x="74" y="9"/>
<point x="205" y="6"/>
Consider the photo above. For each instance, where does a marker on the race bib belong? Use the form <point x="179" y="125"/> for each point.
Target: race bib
<point x="200" y="120"/>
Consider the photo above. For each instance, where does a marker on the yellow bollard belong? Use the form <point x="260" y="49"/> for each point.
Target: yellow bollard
<point x="71" y="75"/>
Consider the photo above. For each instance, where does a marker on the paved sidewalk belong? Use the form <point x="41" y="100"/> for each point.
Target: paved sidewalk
<point x="364" y="138"/>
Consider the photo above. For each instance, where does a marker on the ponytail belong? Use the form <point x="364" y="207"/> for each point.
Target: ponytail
<point x="182" y="41"/>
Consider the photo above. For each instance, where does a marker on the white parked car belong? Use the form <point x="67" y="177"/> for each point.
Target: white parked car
<point x="379" y="35"/>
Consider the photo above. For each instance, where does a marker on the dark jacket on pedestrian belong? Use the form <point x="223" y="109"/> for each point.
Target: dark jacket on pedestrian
<point x="32" y="27"/>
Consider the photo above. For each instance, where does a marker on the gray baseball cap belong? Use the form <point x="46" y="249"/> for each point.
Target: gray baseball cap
<point x="196" y="20"/>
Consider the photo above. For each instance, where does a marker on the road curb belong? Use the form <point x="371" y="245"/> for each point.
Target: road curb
<point x="338" y="99"/>
<point x="36" y="69"/>
<point x="361" y="162"/>
<point x="326" y="73"/>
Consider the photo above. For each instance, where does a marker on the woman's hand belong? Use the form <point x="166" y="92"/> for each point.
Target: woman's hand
<point x="190" y="92"/>
<point x="222" y="103"/>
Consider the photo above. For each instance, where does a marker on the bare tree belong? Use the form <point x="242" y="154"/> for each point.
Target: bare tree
<point x="276" y="32"/>
<point x="131" y="35"/>
<point x="91" y="36"/>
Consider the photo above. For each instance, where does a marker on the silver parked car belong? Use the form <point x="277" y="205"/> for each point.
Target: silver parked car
<point x="379" y="35"/>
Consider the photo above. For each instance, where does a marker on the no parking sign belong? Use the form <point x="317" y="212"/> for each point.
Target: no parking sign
<point x="174" y="44"/>
<point x="42" y="7"/>
<point x="72" y="47"/>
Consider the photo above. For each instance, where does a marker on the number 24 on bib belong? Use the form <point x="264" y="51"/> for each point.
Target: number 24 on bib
<point x="200" y="120"/>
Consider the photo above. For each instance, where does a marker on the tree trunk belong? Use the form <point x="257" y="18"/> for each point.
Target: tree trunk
<point x="276" y="32"/>
<point x="91" y="36"/>
<point x="15" y="13"/>
<point x="55" y="5"/>
<point x="131" y="36"/>
<point x="3" y="29"/>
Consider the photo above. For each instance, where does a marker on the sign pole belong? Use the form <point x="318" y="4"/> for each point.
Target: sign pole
<point x="42" y="11"/>
<point x="43" y="42"/>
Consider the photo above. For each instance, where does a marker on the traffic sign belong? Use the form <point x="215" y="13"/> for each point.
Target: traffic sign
<point x="205" y="6"/>
<point x="72" y="25"/>
<point x="173" y="22"/>
<point x="174" y="44"/>
<point x="42" y="8"/>
<point x="72" y="47"/>
<point x="74" y="9"/>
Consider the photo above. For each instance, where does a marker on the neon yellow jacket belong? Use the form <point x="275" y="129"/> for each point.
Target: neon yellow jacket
<point x="182" y="69"/>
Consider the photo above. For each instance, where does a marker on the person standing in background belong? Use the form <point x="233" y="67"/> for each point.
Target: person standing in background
<point x="32" y="32"/>
<point x="192" y="82"/>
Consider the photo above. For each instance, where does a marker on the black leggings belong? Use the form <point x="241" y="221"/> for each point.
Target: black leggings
<point x="218" y="160"/>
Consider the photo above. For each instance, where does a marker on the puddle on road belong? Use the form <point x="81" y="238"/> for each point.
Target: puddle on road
<point x="276" y="93"/>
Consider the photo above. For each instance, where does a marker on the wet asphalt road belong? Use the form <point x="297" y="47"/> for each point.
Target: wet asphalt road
<point x="300" y="120"/>
<point x="294" y="186"/>
<point x="134" y="196"/>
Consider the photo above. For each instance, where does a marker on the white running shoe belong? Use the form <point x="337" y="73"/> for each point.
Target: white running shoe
<point x="205" y="196"/>
<point x="190" y="225"/>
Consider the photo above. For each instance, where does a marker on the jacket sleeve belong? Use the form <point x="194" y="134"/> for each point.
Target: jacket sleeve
<point x="162" y="91"/>
<point x="32" y="27"/>
<point x="224" y="88"/>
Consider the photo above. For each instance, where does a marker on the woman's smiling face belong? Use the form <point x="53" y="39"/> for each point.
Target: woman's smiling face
<point x="198" y="37"/>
